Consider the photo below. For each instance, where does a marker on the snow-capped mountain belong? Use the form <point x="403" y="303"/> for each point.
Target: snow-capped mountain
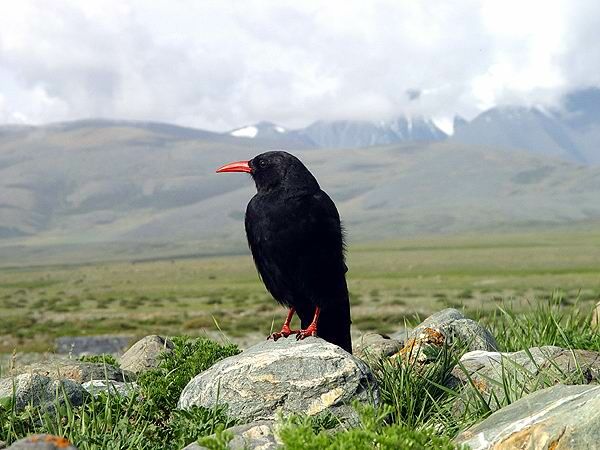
<point x="346" y="133"/>
<point x="272" y="136"/>
<point x="260" y="130"/>
<point x="355" y="134"/>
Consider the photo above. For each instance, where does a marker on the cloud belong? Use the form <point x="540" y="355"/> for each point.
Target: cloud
<point x="221" y="64"/>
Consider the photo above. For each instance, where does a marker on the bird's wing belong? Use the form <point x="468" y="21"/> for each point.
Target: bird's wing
<point x="261" y="232"/>
<point x="321" y="265"/>
<point x="298" y="248"/>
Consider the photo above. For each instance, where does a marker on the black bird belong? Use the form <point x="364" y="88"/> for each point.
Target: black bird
<point x="296" y="238"/>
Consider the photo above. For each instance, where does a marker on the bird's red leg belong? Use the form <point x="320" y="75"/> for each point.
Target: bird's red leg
<point x="311" y="330"/>
<point x="285" y="329"/>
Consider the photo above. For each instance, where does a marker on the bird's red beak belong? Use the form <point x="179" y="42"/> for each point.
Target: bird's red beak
<point x="238" y="166"/>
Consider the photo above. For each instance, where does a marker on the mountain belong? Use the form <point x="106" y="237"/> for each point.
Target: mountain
<point x="272" y="136"/>
<point x="356" y="134"/>
<point x="262" y="130"/>
<point x="513" y="127"/>
<point x="581" y="113"/>
<point x="120" y="189"/>
<point x="571" y="133"/>
<point x="343" y="133"/>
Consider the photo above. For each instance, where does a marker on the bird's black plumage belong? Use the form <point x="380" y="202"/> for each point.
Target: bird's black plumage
<point x="296" y="238"/>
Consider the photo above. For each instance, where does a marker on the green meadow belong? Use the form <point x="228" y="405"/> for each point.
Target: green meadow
<point x="391" y="283"/>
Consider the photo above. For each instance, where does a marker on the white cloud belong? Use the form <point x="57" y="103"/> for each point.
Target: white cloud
<point x="222" y="64"/>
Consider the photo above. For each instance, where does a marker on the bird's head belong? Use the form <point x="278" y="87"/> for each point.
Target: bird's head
<point x="275" y="170"/>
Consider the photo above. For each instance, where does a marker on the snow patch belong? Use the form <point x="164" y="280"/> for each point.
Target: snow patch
<point x="247" y="132"/>
<point x="280" y="129"/>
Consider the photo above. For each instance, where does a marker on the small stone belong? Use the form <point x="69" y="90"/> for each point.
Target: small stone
<point x="309" y="376"/>
<point x="559" y="417"/>
<point x="94" y="387"/>
<point x="42" y="442"/>
<point x="446" y="327"/>
<point x="40" y="391"/>
<point x="259" y="435"/>
<point x="375" y="346"/>
<point x="75" y="370"/>
<point x="401" y="335"/>
<point x="144" y="354"/>
<point x="527" y="370"/>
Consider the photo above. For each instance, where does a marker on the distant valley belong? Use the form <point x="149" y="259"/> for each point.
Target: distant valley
<point x="123" y="189"/>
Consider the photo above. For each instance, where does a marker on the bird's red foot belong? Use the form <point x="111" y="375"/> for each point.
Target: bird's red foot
<point x="285" y="332"/>
<point x="311" y="330"/>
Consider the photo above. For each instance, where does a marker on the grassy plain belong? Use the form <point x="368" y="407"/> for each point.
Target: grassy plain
<point x="390" y="282"/>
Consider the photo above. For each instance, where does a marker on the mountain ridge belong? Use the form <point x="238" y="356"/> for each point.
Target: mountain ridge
<point x="142" y="187"/>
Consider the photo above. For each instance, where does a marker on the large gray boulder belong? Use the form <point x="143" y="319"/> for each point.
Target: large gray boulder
<point x="39" y="390"/>
<point x="485" y="374"/>
<point x="559" y="417"/>
<point x="75" y="370"/>
<point x="446" y="327"/>
<point x="261" y="435"/>
<point x="309" y="376"/>
<point x="42" y="442"/>
<point x="145" y="353"/>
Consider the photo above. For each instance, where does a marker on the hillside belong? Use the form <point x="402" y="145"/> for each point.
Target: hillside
<point x="118" y="186"/>
<point x="571" y="133"/>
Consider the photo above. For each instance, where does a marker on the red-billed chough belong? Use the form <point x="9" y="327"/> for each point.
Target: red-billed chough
<point x="294" y="233"/>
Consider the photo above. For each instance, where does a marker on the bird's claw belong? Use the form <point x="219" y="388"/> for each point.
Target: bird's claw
<point x="285" y="332"/>
<point x="310" y="331"/>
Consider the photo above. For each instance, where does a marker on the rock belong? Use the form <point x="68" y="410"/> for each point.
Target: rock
<point x="309" y="376"/>
<point x="526" y="370"/>
<point x="42" y="442"/>
<point x="144" y="354"/>
<point x="375" y="346"/>
<point x="259" y="435"/>
<point x="2" y="444"/>
<point x="9" y="362"/>
<point x="76" y="370"/>
<point x="92" y="345"/>
<point x="94" y="387"/>
<point x="402" y="334"/>
<point x="446" y="327"/>
<point x="559" y="417"/>
<point x="40" y="390"/>
<point x="596" y="317"/>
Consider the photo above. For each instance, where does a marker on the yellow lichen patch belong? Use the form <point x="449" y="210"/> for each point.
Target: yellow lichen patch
<point x="480" y="385"/>
<point x="57" y="441"/>
<point x="534" y="436"/>
<point x="428" y="338"/>
<point x="325" y="400"/>
<point x="433" y="336"/>
<point x="407" y="349"/>
<point x="268" y="377"/>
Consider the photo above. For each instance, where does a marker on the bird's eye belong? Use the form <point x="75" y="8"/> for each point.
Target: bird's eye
<point x="262" y="163"/>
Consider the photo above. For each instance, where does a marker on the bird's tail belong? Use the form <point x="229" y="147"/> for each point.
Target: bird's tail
<point x="334" y="324"/>
<point x="334" y="321"/>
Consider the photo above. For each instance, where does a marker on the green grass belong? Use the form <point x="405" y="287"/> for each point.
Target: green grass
<point x="389" y="282"/>
<point x="529" y="289"/>
<point x="145" y="419"/>
<point x="415" y="408"/>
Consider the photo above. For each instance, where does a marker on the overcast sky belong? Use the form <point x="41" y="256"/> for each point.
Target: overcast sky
<point x="223" y="64"/>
